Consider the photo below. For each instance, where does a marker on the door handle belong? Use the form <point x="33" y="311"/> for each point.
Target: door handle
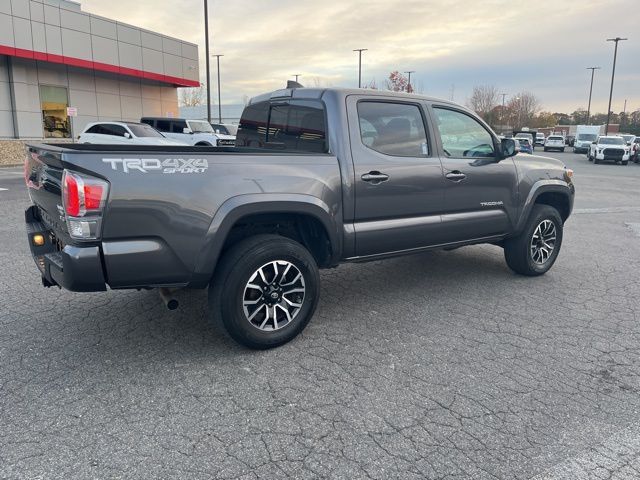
<point x="375" y="177"/>
<point x="455" y="176"/>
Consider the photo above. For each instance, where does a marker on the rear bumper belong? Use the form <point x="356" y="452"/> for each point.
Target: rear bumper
<point x="78" y="269"/>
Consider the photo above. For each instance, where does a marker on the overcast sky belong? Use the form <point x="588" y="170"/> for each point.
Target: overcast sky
<point x="543" y="46"/>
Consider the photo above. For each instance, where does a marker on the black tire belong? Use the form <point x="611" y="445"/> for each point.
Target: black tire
<point x="562" y="150"/>
<point x="595" y="160"/>
<point x="517" y="250"/>
<point x="230" y="283"/>
<point x="546" y="149"/>
<point x="203" y="144"/>
<point x="626" y="162"/>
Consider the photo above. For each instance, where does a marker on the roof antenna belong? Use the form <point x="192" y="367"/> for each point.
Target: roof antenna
<point x="293" y="84"/>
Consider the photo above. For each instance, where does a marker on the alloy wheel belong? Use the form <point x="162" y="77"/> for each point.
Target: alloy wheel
<point x="274" y="295"/>
<point x="543" y="242"/>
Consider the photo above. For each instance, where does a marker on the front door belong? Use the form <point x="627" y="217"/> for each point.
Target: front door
<point x="481" y="195"/>
<point x="398" y="176"/>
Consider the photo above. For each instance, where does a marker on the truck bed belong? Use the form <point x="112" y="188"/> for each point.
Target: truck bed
<point x="165" y="204"/>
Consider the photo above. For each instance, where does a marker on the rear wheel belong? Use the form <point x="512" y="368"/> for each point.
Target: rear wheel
<point x="265" y="291"/>
<point x="536" y="249"/>
<point x="625" y="162"/>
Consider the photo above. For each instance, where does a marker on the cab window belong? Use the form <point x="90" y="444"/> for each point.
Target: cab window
<point x="286" y="125"/>
<point x="395" y="129"/>
<point x="463" y="136"/>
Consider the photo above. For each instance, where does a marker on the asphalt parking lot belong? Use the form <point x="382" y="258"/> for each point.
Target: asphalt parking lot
<point x="438" y="365"/>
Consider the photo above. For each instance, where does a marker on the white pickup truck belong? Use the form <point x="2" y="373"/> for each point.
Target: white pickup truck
<point x="609" y="148"/>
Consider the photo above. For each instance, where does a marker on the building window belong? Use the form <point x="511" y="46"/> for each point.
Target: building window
<point x="54" y="103"/>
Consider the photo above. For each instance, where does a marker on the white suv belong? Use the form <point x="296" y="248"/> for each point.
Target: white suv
<point x="124" y="133"/>
<point x="554" y="142"/>
<point x="611" y="148"/>
<point x="197" y="133"/>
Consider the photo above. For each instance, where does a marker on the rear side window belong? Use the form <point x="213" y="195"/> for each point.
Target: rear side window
<point x="163" y="125"/>
<point x="95" y="129"/>
<point x="395" y="129"/>
<point x="294" y="125"/>
<point x="108" y="129"/>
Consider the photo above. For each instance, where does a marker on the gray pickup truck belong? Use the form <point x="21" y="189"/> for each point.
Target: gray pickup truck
<point x="318" y="177"/>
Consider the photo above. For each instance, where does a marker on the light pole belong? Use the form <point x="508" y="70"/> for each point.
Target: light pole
<point x="206" y="47"/>
<point x="593" y="70"/>
<point x="409" y="89"/>
<point x="219" y="101"/>
<point x="296" y="75"/>
<point x="613" y="76"/>
<point x="360" y="50"/>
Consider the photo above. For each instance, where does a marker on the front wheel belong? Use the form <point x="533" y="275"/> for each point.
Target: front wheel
<point x="265" y="291"/>
<point x="536" y="249"/>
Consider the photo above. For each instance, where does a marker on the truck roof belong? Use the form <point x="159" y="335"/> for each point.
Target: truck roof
<point x="317" y="93"/>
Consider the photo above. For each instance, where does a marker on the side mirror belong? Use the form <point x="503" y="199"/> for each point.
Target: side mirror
<point x="186" y="130"/>
<point x="127" y="135"/>
<point x="508" y="148"/>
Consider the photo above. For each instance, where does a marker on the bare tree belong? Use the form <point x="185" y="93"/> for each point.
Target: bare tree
<point x="372" y="85"/>
<point x="319" y="82"/>
<point x="192" y="97"/>
<point x="523" y="107"/>
<point x="483" y="100"/>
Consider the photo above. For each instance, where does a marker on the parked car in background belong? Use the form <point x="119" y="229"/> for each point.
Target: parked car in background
<point x="628" y="138"/>
<point x="540" y="138"/>
<point x="124" y="133"/>
<point x="585" y="135"/>
<point x="197" y="133"/>
<point x="525" y="145"/>
<point x="225" y="128"/>
<point x="609" y="148"/>
<point x="635" y="150"/>
<point x="528" y="136"/>
<point x="554" y="142"/>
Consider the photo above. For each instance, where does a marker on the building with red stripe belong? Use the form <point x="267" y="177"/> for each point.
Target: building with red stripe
<point x="61" y="68"/>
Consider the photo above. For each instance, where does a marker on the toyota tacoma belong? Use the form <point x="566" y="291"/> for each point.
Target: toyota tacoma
<point x="318" y="177"/>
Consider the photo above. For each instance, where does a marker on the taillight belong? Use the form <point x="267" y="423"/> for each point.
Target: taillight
<point x="84" y="198"/>
<point x="71" y="195"/>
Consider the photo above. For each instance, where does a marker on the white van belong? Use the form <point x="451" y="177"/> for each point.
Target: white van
<point x="192" y="132"/>
<point x="585" y="136"/>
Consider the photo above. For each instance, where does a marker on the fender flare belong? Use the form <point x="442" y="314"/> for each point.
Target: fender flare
<point x="251" y="204"/>
<point x="538" y="188"/>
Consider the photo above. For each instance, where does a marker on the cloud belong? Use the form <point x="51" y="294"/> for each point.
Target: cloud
<point x="542" y="47"/>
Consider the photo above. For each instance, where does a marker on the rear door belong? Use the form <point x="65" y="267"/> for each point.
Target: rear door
<point x="399" y="187"/>
<point x="481" y="195"/>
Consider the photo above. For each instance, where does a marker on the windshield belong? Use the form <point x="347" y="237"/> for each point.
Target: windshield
<point x="627" y="138"/>
<point x="587" y="137"/>
<point x="143" y="131"/>
<point x="611" y="141"/>
<point x="198" y="126"/>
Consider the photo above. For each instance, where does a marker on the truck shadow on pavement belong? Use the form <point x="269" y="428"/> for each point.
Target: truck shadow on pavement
<point x="354" y="299"/>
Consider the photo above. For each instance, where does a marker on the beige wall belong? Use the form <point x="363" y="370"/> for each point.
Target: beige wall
<point x="96" y="95"/>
